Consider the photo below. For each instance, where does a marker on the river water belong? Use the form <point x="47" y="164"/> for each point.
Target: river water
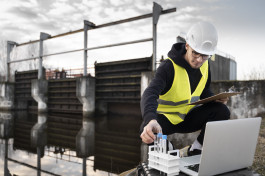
<point x="116" y="145"/>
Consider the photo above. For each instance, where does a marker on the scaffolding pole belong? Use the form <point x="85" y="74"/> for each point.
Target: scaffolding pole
<point x="10" y="46"/>
<point x="43" y="36"/>
<point x="87" y="25"/>
<point x="157" y="9"/>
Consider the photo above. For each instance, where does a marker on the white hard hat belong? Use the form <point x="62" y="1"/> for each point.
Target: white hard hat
<point x="202" y="37"/>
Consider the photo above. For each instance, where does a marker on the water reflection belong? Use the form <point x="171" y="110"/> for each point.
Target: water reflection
<point x="117" y="144"/>
<point x="34" y="144"/>
<point x="6" y="132"/>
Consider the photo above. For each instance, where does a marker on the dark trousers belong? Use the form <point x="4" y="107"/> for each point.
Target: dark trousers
<point x="196" y="119"/>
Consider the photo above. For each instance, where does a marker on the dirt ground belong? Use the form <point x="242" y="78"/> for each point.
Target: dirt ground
<point x="259" y="160"/>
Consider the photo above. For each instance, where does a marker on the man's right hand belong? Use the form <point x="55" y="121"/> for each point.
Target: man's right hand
<point x="148" y="135"/>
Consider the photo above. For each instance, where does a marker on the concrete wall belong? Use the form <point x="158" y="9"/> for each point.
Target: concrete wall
<point x="6" y="96"/>
<point x="39" y="91"/>
<point x="250" y="103"/>
<point x="85" y="139"/>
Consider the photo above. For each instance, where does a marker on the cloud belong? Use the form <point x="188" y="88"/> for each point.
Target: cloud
<point x="59" y="9"/>
<point x="189" y="9"/>
<point x="210" y="1"/>
<point x="91" y="3"/>
<point x="30" y="3"/>
<point x="24" y="12"/>
<point x="14" y="28"/>
<point x="184" y="17"/>
<point x="116" y="3"/>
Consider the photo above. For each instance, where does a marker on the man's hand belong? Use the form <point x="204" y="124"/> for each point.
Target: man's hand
<point x="148" y="135"/>
<point x="224" y="100"/>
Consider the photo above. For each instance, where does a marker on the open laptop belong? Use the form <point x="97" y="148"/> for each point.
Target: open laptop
<point x="228" y="145"/>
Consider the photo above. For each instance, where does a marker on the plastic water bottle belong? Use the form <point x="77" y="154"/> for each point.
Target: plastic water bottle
<point x="159" y="142"/>
<point x="164" y="143"/>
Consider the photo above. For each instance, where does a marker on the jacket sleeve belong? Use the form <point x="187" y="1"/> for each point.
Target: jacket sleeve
<point x="207" y="90"/>
<point x="156" y="87"/>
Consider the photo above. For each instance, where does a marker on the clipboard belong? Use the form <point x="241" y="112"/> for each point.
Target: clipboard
<point x="215" y="97"/>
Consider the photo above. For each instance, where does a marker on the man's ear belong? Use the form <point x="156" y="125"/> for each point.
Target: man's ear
<point x="186" y="46"/>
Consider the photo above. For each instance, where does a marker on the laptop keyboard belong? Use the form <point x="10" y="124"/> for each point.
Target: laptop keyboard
<point x="191" y="160"/>
<point x="194" y="167"/>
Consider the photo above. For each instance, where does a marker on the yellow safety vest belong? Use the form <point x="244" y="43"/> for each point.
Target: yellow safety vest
<point x="173" y="104"/>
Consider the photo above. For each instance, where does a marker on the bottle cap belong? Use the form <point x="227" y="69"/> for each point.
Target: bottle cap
<point x="164" y="137"/>
<point x="159" y="134"/>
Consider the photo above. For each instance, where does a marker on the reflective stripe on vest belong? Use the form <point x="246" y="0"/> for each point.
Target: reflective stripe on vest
<point x="182" y="116"/>
<point x="164" y="102"/>
<point x="173" y="104"/>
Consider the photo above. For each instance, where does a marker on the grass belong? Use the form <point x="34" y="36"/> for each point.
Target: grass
<point x="259" y="159"/>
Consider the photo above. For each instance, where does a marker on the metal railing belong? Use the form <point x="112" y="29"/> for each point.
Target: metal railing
<point x="66" y="73"/>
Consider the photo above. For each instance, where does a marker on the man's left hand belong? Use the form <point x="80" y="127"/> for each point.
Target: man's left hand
<point x="223" y="100"/>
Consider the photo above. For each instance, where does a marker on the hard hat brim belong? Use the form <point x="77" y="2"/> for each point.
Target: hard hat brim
<point x="210" y="53"/>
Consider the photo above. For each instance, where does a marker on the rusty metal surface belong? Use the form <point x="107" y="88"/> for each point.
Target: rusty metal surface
<point x="117" y="143"/>
<point x="62" y="129"/>
<point x="23" y="98"/>
<point x="62" y="97"/>
<point x="23" y="124"/>
<point x="119" y="81"/>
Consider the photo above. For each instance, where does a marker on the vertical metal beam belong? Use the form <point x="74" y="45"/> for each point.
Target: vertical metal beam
<point x="157" y="9"/>
<point x="43" y="36"/>
<point x="87" y="25"/>
<point x="38" y="161"/>
<point x="10" y="45"/>
<point x="6" y="155"/>
<point x="84" y="167"/>
<point x="85" y="46"/>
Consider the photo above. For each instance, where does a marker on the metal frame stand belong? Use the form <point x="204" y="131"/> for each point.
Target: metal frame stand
<point x="87" y="25"/>
<point x="157" y="10"/>
<point x="43" y="36"/>
<point x="10" y="45"/>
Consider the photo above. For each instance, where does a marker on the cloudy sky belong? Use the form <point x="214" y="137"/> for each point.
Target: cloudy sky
<point x="240" y="25"/>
